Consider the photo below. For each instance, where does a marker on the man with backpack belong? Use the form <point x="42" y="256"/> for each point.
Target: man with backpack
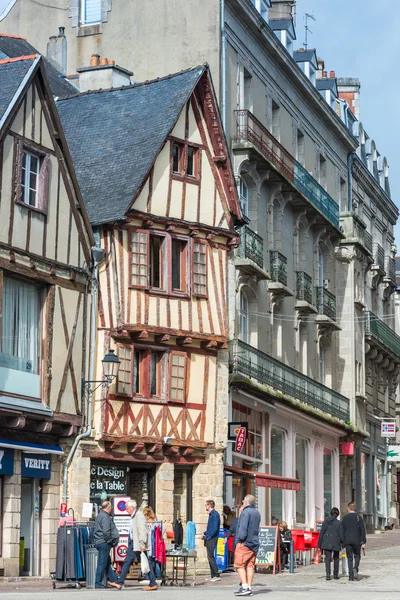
<point x="330" y="541"/>
<point x="354" y="539"/>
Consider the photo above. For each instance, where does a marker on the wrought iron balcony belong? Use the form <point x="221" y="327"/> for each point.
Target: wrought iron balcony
<point x="326" y="302"/>
<point x="251" y="130"/>
<point x="278" y="267"/>
<point x="254" y="364"/>
<point x="304" y="287"/>
<point x="252" y="246"/>
<point x="377" y="329"/>
<point x="355" y="231"/>
<point x="379" y="257"/>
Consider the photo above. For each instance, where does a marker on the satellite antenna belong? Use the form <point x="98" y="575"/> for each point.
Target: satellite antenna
<point x="308" y="30"/>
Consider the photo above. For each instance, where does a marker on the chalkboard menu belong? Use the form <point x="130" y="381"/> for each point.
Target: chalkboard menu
<point x="268" y="542"/>
<point x="318" y="526"/>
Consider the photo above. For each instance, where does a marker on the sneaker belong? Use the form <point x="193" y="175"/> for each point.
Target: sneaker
<point x="150" y="588"/>
<point x="244" y="592"/>
<point x="214" y="579"/>
<point x="238" y="591"/>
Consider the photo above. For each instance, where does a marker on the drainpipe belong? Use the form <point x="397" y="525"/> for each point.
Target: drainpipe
<point x="97" y="255"/>
<point x="223" y="64"/>
<point x="350" y="159"/>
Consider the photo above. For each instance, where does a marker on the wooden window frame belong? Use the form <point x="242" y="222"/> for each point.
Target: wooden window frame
<point x="182" y="174"/>
<point x="171" y="355"/>
<point x="185" y="276"/>
<point x="131" y="348"/>
<point x="164" y="262"/>
<point x="42" y="192"/>
<point x="144" y="374"/>
<point x="138" y="286"/>
<point x="194" y="293"/>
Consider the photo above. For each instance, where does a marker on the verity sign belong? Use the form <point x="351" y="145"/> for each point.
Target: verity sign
<point x="37" y="466"/>
<point x="110" y="479"/>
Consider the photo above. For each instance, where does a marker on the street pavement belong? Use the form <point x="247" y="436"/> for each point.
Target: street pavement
<point x="379" y="580"/>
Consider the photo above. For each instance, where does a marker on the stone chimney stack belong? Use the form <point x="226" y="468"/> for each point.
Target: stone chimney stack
<point x="321" y="68"/>
<point x="57" y="51"/>
<point x="349" y="90"/>
<point x="281" y="9"/>
<point x="102" y="74"/>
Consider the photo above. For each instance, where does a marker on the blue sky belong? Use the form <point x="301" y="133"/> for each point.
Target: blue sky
<point x="360" y="38"/>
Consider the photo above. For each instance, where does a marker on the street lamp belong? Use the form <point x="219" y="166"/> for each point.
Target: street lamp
<point x="111" y="364"/>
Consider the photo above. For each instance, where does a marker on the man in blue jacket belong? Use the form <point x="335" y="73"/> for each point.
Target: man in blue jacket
<point x="247" y="544"/>
<point x="210" y="538"/>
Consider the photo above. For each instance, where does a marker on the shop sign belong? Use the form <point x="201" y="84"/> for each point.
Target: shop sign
<point x="36" y="466"/>
<point x="121" y="550"/>
<point x="109" y="479"/>
<point x="240" y="439"/>
<point x="6" y="461"/>
<point x="393" y="453"/>
<point x="278" y="484"/>
<point x="234" y="428"/>
<point x="388" y="429"/>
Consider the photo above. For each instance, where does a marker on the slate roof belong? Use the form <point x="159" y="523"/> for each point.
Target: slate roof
<point x="11" y="77"/>
<point x="115" y="135"/>
<point x="327" y="84"/>
<point x="305" y="56"/>
<point x="11" y="47"/>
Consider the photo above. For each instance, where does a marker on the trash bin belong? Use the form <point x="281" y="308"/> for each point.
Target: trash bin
<point x="91" y="566"/>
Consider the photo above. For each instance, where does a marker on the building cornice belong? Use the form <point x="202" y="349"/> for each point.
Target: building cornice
<point x="369" y="184"/>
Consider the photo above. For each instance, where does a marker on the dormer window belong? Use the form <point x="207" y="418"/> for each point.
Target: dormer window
<point x="262" y="7"/>
<point x="185" y="161"/>
<point x="284" y="31"/>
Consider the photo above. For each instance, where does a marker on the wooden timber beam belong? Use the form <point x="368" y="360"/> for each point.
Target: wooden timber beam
<point x="136" y="448"/>
<point x="162" y="337"/>
<point x="43" y="426"/>
<point x="184" y="341"/>
<point x="18" y="422"/>
<point x="209" y="345"/>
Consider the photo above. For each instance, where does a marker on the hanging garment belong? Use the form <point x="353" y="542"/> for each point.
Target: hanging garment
<point x="160" y="552"/>
<point x="178" y="533"/>
<point x="190" y="535"/>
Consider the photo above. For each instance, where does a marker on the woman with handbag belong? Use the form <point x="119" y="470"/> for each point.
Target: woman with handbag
<point x="330" y="541"/>
<point x="152" y="550"/>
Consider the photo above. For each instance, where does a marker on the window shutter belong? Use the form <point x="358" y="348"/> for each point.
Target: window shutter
<point x="124" y="379"/>
<point x="140" y="259"/>
<point x="44" y="176"/>
<point x="200" y="269"/>
<point x="177" y="377"/>
<point x="91" y="11"/>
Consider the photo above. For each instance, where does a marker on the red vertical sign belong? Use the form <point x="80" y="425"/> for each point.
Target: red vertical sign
<point x="240" y="439"/>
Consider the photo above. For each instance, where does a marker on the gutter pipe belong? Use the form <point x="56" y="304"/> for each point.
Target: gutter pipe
<point x="223" y="64"/>
<point x="350" y="159"/>
<point x="97" y="254"/>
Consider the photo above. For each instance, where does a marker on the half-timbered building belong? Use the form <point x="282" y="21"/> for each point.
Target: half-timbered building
<point x="155" y="175"/>
<point x="45" y="240"/>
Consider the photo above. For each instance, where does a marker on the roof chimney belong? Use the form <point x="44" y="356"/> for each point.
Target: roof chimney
<point x="102" y="74"/>
<point x="57" y="51"/>
<point x="281" y="9"/>
<point x="324" y="74"/>
<point x="321" y="67"/>
<point x="349" y="90"/>
<point x="332" y="74"/>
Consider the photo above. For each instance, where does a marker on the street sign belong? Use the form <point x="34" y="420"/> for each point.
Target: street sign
<point x="121" y="550"/>
<point x="240" y="439"/>
<point x="388" y="429"/>
<point x="393" y="453"/>
<point x="120" y="506"/>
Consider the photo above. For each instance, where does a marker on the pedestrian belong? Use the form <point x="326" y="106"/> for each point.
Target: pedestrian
<point x="354" y="539"/>
<point x="137" y="539"/>
<point x="247" y="545"/>
<point x="331" y="541"/>
<point x="285" y="537"/>
<point x="210" y="538"/>
<point x="106" y="536"/>
<point x="274" y="521"/>
<point x="228" y="516"/>
<point x="151" y="518"/>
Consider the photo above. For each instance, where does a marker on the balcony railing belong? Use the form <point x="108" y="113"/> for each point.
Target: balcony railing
<point x="252" y="246"/>
<point x="390" y="268"/>
<point x="379" y="256"/>
<point x="250" y="129"/>
<point x="253" y="363"/>
<point x="355" y="231"/>
<point x="304" y="287"/>
<point x="368" y="241"/>
<point x="278" y="267"/>
<point x="326" y="302"/>
<point x="382" y="332"/>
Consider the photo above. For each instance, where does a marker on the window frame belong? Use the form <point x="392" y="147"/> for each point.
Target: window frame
<point x="119" y="348"/>
<point x="82" y="20"/>
<point x="194" y="293"/>
<point x="184" y="265"/>
<point x="164" y="262"/>
<point x="43" y="177"/>
<point x="182" y="174"/>
<point x="139" y="232"/>
<point x="185" y="356"/>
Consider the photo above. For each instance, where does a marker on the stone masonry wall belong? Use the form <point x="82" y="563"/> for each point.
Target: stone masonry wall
<point x="11" y="519"/>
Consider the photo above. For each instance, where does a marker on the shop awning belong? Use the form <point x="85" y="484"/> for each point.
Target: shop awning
<point x="268" y="481"/>
<point x="34" y="448"/>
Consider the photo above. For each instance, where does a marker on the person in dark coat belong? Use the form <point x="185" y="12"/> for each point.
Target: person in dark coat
<point x="354" y="539"/>
<point x="106" y="536"/>
<point x="210" y="538"/>
<point x="285" y="537"/>
<point x="330" y="541"/>
<point x="232" y="532"/>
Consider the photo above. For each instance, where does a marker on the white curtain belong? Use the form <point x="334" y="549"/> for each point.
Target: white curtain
<point x="20" y="323"/>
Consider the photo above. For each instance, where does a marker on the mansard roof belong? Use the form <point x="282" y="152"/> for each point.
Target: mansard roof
<point x="116" y="135"/>
<point x="13" y="46"/>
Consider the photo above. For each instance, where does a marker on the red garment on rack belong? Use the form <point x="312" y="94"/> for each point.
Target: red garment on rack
<point x="160" y="551"/>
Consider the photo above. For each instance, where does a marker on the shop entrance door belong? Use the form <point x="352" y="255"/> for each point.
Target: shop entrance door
<point x="30" y="527"/>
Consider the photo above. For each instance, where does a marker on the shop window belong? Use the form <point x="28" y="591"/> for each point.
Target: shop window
<point x="200" y="269"/>
<point x="301" y="474"/>
<point x="328" y="482"/>
<point x="20" y="326"/>
<point x="379" y="486"/>
<point x="159" y="262"/>
<point x="277" y="468"/>
<point x="177" y="376"/>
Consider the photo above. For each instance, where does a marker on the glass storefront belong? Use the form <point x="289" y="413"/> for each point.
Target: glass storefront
<point x="379" y="486"/>
<point x="277" y="457"/>
<point x="328" y="479"/>
<point x="301" y="474"/>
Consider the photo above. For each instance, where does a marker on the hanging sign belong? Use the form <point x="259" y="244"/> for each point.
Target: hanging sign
<point x="393" y="453"/>
<point x="121" y="550"/>
<point x="234" y="428"/>
<point x="388" y="429"/>
<point x="240" y="439"/>
<point x="36" y="466"/>
<point x="6" y="461"/>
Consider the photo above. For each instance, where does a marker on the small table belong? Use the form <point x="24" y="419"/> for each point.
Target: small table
<point x="180" y="562"/>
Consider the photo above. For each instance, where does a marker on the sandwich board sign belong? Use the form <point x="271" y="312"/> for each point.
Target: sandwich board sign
<point x="267" y="555"/>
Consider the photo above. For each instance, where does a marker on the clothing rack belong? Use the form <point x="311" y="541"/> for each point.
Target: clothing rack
<point x="73" y="539"/>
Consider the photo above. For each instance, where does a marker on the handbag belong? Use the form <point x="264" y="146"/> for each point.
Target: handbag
<point x="144" y="563"/>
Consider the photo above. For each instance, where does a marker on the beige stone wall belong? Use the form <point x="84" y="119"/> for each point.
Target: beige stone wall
<point x="50" y="517"/>
<point x="11" y="520"/>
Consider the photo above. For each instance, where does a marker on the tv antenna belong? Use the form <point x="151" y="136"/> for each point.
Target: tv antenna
<point x="307" y="16"/>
